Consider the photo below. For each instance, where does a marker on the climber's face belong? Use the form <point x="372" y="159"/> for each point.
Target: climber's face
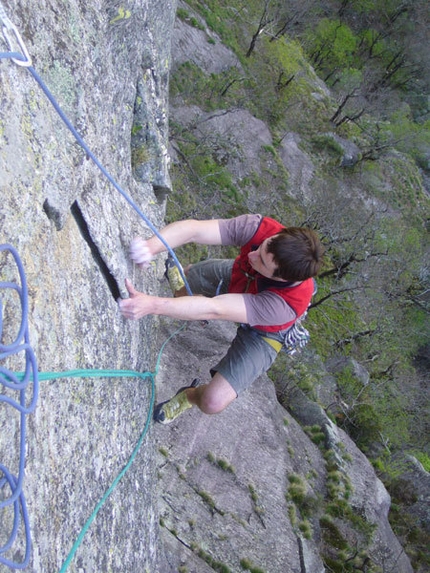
<point x="262" y="261"/>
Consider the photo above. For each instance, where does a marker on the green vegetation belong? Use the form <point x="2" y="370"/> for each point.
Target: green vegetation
<point x="184" y="15"/>
<point x="334" y="513"/>
<point x="407" y="529"/>
<point x="424" y="459"/>
<point x="248" y="565"/>
<point x="316" y="434"/>
<point x="216" y="565"/>
<point x="139" y="155"/>
<point x="302" y="505"/>
<point x="373" y="217"/>
<point x="207" y="498"/>
<point x="253" y="493"/>
<point x="221" y="463"/>
<point x="338" y="517"/>
<point x="259" y="510"/>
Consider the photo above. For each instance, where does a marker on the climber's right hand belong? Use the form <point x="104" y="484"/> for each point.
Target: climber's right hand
<point x="140" y="252"/>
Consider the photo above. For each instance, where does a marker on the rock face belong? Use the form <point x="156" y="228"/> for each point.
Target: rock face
<point x="200" y="46"/>
<point x="236" y="129"/>
<point x="107" y="66"/>
<point x="298" y="164"/>
<point x="249" y="485"/>
<point x="257" y="487"/>
<point x="247" y="489"/>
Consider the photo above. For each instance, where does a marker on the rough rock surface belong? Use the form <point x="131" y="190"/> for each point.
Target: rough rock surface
<point x="234" y="129"/>
<point x="202" y="47"/>
<point x="298" y="165"/>
<point x="224" y="478"/>
<point x="237" y="139"/>
<point x="416" y="486"/>
<point x="218" y="483"/>
<point x="107" y="66"/>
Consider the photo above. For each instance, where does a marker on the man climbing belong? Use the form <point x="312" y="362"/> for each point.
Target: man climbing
<point x="265" y="289"/>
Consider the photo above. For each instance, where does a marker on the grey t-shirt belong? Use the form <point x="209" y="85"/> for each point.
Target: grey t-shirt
<point x="264" y="308"/>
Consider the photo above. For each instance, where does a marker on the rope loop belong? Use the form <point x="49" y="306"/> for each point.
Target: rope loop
<point x="12" y="505"/>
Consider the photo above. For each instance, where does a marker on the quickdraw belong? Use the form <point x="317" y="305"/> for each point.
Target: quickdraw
<point x="14" y="41"/>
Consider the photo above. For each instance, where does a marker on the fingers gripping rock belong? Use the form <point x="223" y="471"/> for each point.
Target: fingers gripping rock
<point x="140" y="252"/>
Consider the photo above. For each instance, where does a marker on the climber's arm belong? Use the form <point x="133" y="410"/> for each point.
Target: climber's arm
<point x="224" y="307"/>
<point x="176" y="234"/>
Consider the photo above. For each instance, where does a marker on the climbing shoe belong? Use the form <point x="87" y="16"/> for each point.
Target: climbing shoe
<point x="167" y="411"/>
<point x="173" y="275"/>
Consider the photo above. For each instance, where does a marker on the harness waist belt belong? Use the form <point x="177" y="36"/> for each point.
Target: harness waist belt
<point x="273" y="343"/>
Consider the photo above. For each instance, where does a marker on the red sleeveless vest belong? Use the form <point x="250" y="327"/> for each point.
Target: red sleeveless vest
<point x="244" y="279"/>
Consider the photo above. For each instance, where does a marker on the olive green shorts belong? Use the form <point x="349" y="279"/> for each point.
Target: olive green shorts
<point x="248" y="357"/>
<point x="210" y="277"/>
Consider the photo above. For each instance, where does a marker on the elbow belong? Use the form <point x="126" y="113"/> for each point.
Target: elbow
<point x="216" y="315"/>
<point x="223" y="310"/>
<point x="215" y="311"/>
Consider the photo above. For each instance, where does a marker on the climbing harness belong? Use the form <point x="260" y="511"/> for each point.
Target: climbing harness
<point x="26" y="384"/>
<point x="295" y="339"/>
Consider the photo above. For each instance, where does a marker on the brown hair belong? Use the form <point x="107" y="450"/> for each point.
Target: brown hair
<point x="298" y="253"/>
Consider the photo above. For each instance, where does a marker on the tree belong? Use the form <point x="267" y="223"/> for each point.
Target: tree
<point x="293" y="15"/>
<point x="266" y="18"/>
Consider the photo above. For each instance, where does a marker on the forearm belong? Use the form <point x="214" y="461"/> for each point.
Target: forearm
<point x="224" y="307"/>
<point x="202" y="308"/>
<point x="183" y="232"/>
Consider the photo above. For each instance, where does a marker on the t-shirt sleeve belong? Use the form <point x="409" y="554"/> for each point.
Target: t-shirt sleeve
<point x="267" y="309"/>
<point x="239" y="230"/>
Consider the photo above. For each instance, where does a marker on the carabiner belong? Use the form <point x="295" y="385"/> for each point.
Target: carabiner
<point x="8" y="27"/>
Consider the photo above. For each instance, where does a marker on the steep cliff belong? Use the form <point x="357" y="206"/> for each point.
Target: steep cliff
<point x="258" y="488"/>
<point x="255" y="488"/>
<point x="107" y="66"/>
<point x="252" y="488"/>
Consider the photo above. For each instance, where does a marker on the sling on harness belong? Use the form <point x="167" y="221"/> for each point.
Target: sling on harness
<point x="296" y="337"/>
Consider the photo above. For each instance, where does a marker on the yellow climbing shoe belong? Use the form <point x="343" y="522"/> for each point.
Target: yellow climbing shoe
<point x="167" y="411"/>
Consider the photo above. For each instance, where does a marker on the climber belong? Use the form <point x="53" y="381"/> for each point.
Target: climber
<point x="265" y="289"/>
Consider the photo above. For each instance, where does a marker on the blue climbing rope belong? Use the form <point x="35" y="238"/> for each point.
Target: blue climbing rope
<point x="20" y="383"/>
<point x="18" y="391"/>
<point x="10" y="56"/>
<point x="23" y="59"/>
